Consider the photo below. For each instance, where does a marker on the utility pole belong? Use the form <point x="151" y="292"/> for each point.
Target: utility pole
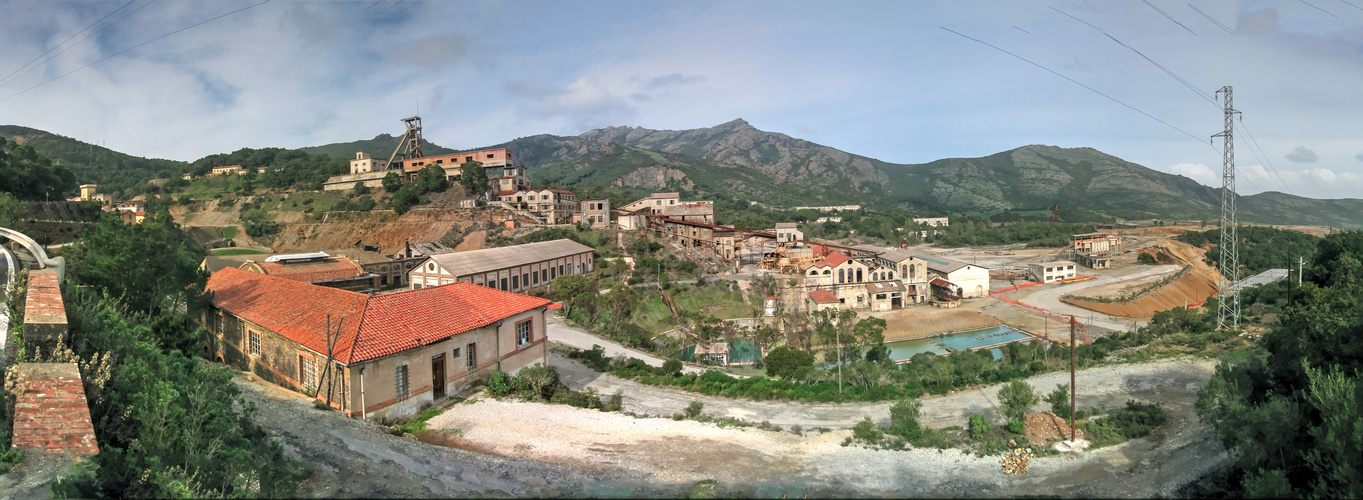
<point x="1289" y="272"/>
<point x="838" y="333"/>
<point x="1073" y="326"/>
<point x="1301" y="261"/>
<point x="1227" y="293"/>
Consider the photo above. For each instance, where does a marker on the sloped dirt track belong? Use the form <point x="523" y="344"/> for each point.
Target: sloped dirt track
<point x="1191" y="288"/>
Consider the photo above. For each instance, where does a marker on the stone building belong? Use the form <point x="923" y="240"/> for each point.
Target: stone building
<point x="514" y="268"/>
<point x="387" y="356"/>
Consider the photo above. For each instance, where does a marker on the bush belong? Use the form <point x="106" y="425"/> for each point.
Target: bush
<point x="1060" y="401"/>
<point x="1016" y="427"/>
<point x="693" y="410"/>
<point x="1016" y="398"/>
<point x="978" y="427"/>
<point x="616" y="401"/>
<point x="867" y="431"/>
<point x="499" y="385"/>
<point x="1146" y="258"/>
<point x="904" y="416"/>
<point x="539" y="379"/>
<point x="786" y="363"/>
<point x="671" y="368"/>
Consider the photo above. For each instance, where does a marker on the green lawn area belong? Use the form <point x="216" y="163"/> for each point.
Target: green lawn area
<point x="236" y="251"/>
<point x="713" y="300"/>
<point x="229" y="232"/>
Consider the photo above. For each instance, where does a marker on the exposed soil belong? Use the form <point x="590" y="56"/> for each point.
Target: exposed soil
<point x="1047" y="427"/>
<point x="1191" y="288"/>
<point x="919" y="322"/>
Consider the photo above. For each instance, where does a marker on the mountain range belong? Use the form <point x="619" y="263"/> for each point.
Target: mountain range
<point x="735" y="160"/>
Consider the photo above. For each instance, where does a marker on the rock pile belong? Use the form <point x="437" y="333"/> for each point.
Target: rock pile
<point x="1015" y="462"/>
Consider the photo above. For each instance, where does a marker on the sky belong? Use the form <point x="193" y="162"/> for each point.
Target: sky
<point x="900" y="81"/>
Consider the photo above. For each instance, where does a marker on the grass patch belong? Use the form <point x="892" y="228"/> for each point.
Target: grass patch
<point x="417" y="423"/>
<point x="236" y="251"/>
<point x="229" y="232"/>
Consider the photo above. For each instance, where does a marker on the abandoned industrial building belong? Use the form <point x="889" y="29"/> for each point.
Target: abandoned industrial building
<point x="317" y="268"/>
<point x="513" y="269"/>
<point x="381" y="356"/>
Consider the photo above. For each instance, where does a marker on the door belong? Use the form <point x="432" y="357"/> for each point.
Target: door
<point x="438" y="376"/>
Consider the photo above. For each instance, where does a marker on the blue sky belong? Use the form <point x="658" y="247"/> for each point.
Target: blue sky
<point x="881" y="79"/>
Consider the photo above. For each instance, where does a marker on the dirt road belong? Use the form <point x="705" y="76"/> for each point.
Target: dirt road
<point x="1048" y="297"/>
<point x="753" y="462"/>
<point x="557" y="331"/>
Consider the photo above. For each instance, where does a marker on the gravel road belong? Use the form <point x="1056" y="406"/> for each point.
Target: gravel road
<point x="1048" y="297"/>
<point x="570" y="336"/>
<point x="753" y="462"/>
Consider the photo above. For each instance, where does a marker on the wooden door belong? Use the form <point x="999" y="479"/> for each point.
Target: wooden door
<point x="438" y="376"/>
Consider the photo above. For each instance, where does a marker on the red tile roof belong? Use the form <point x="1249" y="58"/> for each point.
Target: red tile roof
<point x="822" y="296"/>
<point x="340" y="267"/>
<point x="296" y="310"/>
<point x="836" y="258"/>
<point x="399" y="321"/>
<point x="374" y="326"/>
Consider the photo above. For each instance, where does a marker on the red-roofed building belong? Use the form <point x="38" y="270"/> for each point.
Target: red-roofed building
<point x="318" y="269"/>
<point x="390" y="354"/>
<point x="822" y="299"/>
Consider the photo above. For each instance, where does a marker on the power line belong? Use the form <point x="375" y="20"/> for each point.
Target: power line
<point x="111" y="56"/>
<point x="1090" y="89"/>
<point x="1022" y="30"/>
<point x="394" y="5"/>
<point x="1265" y="155"/>
<point x="54" y="47"/>
<point x="1213" y="20"/>
<point x="373" y="4"/>
<point x="1351" y="4"/>
<point x="1169" y="17"/>
<point x="1143" y="56"/>
<point x="1318" y="8"/>
<point x="87" y="37"/>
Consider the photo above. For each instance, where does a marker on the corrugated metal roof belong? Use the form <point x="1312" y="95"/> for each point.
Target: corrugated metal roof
<point x="896" y="255"/>
<point x="364" y="257"/>
<point x="941" y="264"/>
<point x="491" y="259"/>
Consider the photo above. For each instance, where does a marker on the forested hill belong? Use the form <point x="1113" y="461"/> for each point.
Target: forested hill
<point x="1086" y="182"/>
<point x="381" y="146"/>
<point x="91" y="164"/>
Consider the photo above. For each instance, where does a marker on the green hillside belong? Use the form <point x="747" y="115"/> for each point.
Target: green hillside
<point x="112" y="170"/>
<point x="381" y="146"/>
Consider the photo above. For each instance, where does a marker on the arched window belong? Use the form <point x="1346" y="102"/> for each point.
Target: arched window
<point x="828" y="272"/>
<point x="842" y="278"/>
<point x="858" y="276"/>
<point x="891" y="274"/>
<point x="813" y="272"/>
<point x="911" y="273"/>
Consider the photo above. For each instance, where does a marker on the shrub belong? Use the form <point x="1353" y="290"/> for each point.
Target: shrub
<point x="786" y="363"/>
<point x="978" y="427"/>
<point x="1145" y="258"/>
<point x="1016" y="427"/>
<point x="867" y="431"/>
<point x="616" y="401"/>
<point x="904" y="416"/>
<point x="1060" y="400"/>
<point x="671" y="368"/>
<point x="499" y="385"/>
<point x="693" y="410"/>
<point x="797" y="430"/>
<point x="539" y="379"/>
<point x="1016" y="397"/>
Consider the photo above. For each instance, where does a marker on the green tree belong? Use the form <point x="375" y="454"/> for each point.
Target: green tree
<point x="1016" y="398"/>
<point x="361" y="189"/>
<point x="786" y="363"/>
<point x="11" y="211"/>
<point x="28" y="175"/>
<point x="152" y="267"/>
<point x="392" y="182"/>
<point x="405" y="198"/>
<point x="474" y="178"/>
<point x="574" y="291"/>
<point x="904" y="417"/>
<point x="431" y="179"/>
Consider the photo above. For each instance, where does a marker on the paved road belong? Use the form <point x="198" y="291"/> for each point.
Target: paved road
<point x="1048" y="298"/>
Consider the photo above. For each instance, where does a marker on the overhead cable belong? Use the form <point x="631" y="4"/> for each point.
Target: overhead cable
<point x="54" y="47"/>
<point x="116" y="54"/>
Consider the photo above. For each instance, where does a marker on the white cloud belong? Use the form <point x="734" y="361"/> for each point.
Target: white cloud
<point x="672" y="80"/>
<point x="1302" y="154"/>
<point x="583" y="104"/>
<point x="1196" y="171"/>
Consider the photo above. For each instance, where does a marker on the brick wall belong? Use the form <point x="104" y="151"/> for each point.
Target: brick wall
<point x="44" y="312"/>
<point x="51" y="415"/>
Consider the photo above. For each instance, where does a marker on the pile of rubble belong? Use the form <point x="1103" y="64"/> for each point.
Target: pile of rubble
<point x="1015" y="462"/>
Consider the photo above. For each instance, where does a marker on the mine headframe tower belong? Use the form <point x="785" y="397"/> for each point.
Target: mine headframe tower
<point x="410" y="145"/>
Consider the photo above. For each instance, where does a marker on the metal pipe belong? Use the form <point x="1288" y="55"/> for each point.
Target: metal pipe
<point x="1073" y="326"/>
<point x="363" y="408"/>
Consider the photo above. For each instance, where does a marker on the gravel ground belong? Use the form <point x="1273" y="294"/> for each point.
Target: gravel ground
<point x="352" y="458"/>
<point x="751" y="461"/>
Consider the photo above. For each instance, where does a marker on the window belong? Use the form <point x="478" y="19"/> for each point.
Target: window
<point x="515" y="282"/>
<point x="842" y="276"/>
<point x="307" y="372"/>
<point x="255" y="343"/>
<point x="489" y="155"/>
<point x="468" y="158"/>
<point x="523" y="333"/>
<point x="503" y="284"/>
<point x="525" y="279"/>
<point x="560" y="268"/>
<point x="472" y="361"/>
<point x="430" y="267"/>
<point x="553" y="273"/>
<point x="402" y="385"/>
<point x="544" y="274"/>
<point x="456" y="352"/>
<point x="537" y="277"/>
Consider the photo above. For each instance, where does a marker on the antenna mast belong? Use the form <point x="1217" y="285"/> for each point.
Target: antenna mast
<point x="1227" y="291"/>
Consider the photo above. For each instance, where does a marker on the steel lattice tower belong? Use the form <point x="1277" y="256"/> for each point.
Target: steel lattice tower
<point x="1227" y="294"/>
